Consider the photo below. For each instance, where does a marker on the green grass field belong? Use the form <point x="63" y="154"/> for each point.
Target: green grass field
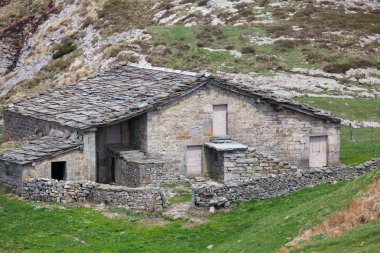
<point x="346" y="108"/>
<point x="255" y="226"/>
<point x="366" y="145"/>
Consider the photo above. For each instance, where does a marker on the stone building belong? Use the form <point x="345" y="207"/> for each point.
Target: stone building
<point x="135" y="126"/>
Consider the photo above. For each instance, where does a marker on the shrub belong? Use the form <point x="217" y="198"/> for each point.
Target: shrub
<point x="248" y="50"/>
<point x="64" y="49"/>
<point x="337" y="68"/>
<point x="202" y="3"/>
<point x="181" y="46"/>
<point x="263" y="3"/>
<point x="200" y="44"/>
<point x="352" y="64"/>
<point x="280" y="30"/>
<point x="284" y="45"/>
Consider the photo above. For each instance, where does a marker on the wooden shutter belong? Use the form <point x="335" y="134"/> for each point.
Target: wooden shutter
<point x="318" y="151"/>
<point x="219" y="120"/>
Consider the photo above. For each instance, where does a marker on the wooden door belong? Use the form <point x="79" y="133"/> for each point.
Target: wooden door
<point x="318" y="151"/>
<point x="219" y="120"/>
<point x="194" y="160"/>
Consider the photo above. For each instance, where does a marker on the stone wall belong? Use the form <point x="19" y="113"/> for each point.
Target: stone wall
<point x="140" y="173"/>
<point x="74" y="167"/>
<point x="275" y="131"/>
<point x="138" y="132"/>
<point x="19" y="127"/>
<point x="11" y="175"/>
<point x="215" y="164"/>
<point x="148" y="199"/>
<point x="244" y="166"/>
<point x="211" y="193"/>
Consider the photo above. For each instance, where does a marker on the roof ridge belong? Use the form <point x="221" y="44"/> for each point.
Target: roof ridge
<point x="168" y="70"/>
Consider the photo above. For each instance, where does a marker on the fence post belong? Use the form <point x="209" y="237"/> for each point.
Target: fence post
<point x="351" y="137"/>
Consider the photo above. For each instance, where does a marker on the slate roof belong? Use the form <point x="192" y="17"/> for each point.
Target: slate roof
<point x="107" y="97"/>
<point x="128" y="91"/>
<point x="39" y="149"/>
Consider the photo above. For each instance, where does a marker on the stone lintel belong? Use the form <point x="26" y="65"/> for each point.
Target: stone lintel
<point x="227" y="146"/>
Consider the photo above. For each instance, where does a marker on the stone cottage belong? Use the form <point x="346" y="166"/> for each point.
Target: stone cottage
<point x="135" y="126"/>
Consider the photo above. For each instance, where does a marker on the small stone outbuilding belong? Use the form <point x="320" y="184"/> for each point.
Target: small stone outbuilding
<point x="135" y="126"/>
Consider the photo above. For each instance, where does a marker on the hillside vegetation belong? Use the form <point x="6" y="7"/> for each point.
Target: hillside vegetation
<point x="75" y="39"/>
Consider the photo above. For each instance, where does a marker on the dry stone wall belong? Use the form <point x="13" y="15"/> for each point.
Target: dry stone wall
<point x="215" y="194"/>
<point x="144" y="198"/>
<point x="247" y="165"/>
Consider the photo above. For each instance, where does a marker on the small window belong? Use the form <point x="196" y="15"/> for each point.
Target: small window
<point x="58" y="170"/>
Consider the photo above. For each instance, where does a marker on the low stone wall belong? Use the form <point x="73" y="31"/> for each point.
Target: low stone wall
<point x="216" y="194"/>
<point x="245" y="166"/>
<point x="148" y="199"/>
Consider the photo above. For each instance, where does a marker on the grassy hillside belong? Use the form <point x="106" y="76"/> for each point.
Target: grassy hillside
<point x="346" y="108"/>
<point x="366" y="145"/>
<point x="363" y="239"/>
<point x="256" y="226"/>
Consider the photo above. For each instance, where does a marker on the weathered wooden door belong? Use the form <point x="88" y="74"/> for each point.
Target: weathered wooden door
<point x="318" y="151"/>
<point x="194" y="160"/>
<point x="219" y="120"/>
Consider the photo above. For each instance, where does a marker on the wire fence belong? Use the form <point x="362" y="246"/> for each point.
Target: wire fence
<point x="365" y="135"/>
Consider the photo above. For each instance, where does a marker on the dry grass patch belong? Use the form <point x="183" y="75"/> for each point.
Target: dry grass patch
<point x="119" y="15"/>
<point x="359" y="211"/>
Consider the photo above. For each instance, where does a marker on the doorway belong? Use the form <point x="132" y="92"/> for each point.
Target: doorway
<point x="219" y="120"/>
<point x="58" y="170"/>
<point x="318" y="151"/>
<point x="194" y="160"/>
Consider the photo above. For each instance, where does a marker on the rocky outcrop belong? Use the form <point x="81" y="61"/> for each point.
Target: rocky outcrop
<point x="14" y="35"/>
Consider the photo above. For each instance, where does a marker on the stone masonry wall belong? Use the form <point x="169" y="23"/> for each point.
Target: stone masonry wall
<point x="279" y="132"/>
<point x="75" y="170"/>
<point x="138" y="173"/>
<point x="11" y="175"/>
<point x="148" y="199"/>
<point x="133" y="169"/>
<point x="19" y="127"/>
<point x="221" y="195"/>
<point x="244" y="166"/>
<point x="138" y="132"/>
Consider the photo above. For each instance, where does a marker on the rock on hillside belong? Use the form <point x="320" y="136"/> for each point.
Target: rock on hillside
<point x="51" y="43"/>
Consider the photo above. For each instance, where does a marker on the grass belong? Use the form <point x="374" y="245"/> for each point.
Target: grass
<point x="17" y="9"/>
<point x="286" y="54"/>
<point x="182" y="196"/>
<point x="363" y="239"/>
<point x="255" y="226"/>
<point x="366" y="145"/>
<point x="352" y="109"/>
